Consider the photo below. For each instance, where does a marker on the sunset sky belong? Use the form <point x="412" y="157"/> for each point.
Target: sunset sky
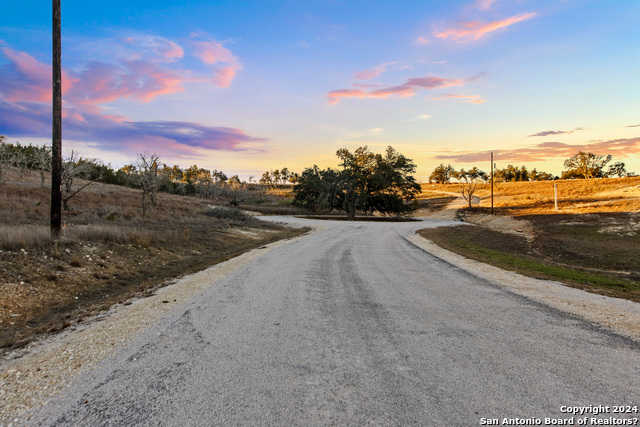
<point x="245" y="86"/>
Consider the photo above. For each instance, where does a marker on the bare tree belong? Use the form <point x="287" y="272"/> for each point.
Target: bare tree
<point x="71" y="169"/>
<point x="43" y="162"/>
<point x="21" y="160"/>
<point x="236" y="185"/>
<point x="618" y="168"/>
<point x="147" y="166"/>
<point x="468" y="189"/>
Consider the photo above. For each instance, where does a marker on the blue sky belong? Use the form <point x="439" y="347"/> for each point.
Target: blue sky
<point x="246" y="86"/>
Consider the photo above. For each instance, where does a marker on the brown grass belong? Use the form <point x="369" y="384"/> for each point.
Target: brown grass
<point x="18" y="237"/>
<point x="533" y="198"/>
<point x="23" y="236"/>
<point x="578" y="255"/>
<point x="108" y="252"/>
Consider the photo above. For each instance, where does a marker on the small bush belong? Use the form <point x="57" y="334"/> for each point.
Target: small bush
<point x="229" y="214"/>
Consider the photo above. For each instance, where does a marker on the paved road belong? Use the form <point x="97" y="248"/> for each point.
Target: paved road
<point x="353" y="325"/>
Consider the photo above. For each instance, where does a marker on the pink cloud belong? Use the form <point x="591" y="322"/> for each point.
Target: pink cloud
<point x="548" y="150"/>
<point x="114" y="133"/>
<point x="25" y="78"/>
<point x="211" y="52"/>
<point x="224" y="76"/>
<point x="422" y="41"/>
<point x="25" y="94"/>
<point x="140" y="77"/>
<point x="374" y="72"/>
<point x="470" y="99"/>
<point x="434" y="82"/>
<point x="404" y="90"/>
<point x="152" y="81"/>
<point x="335" y="95"/>
<point x="101" y="83"/>
<point x="475" y="30"/>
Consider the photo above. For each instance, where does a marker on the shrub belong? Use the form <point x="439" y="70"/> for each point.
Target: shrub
<point x="229" y="214"/>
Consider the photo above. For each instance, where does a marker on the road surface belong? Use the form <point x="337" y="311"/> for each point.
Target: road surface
<point x="353" y="325"/>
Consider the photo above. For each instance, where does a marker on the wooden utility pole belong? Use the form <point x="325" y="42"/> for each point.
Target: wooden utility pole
<point x="492" y="183"/>
<point x="56" y="137"/>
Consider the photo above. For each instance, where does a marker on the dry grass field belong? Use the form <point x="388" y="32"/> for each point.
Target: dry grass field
<point x="108" y="252"/>
<point x="534" y="198"/>
<point x="592" y="241"/>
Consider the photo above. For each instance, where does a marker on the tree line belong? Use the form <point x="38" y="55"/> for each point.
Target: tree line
<point x="582" y="165"/>
<point x="147" y="173"/>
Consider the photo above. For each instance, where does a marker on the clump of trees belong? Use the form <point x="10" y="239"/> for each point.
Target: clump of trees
<point x="279" y="177"/>
<point x="583" y="165"/>
<point x="26" y="158"/>
<point x="589" y="165"/>
<point x="365" y="182"/>
<point x="442" y="174"/>
<point x="511" y="173"/>
<point x="470" y="175"/>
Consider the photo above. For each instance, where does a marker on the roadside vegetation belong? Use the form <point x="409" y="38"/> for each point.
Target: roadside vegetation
<point x="118" y="241"/>
<point x="591" y="241"/>
<point x="576" y="255"/>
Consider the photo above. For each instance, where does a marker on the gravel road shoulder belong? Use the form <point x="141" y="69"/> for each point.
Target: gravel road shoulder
<point x="618" y="315"/>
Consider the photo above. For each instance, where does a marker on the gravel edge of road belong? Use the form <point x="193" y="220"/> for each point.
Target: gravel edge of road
<point x="615" y="314"/>
<point x="44" y="368"/>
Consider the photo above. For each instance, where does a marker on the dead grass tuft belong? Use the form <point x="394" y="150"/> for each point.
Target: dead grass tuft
<point x="23" y="236"/>
<point x="107" y="234"/>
